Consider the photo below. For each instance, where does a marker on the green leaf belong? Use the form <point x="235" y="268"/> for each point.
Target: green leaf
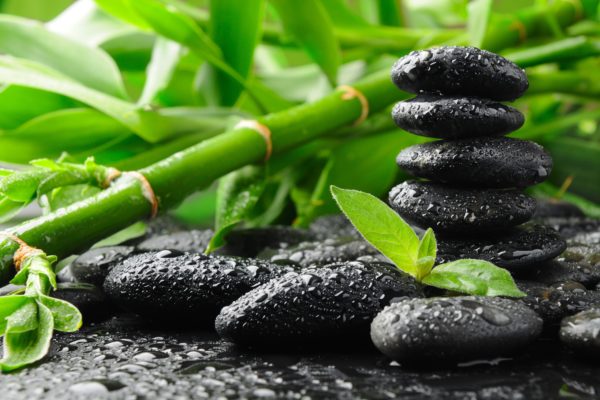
<point x="64" y="196"/>
<point x="9" y="208"/>
<point x="67" y="317"/>
<point x="235" y="26"/>
<point x="22" y="187"/>
<point x="480" y="12"/>
<point x="342" y="16"/>
<point x="24" y="317"/>
<point x="23" y="348"/>
<point x="309" y="23"/>
<point x="380" y="226"/>
<point x="131" y="232"/>
<point x="237" y="195"/>
<point x="165" y="56"/>
<point x="475" y="277"/>
<point x="17" y="107"/>
<point x="124" y="10"/>
<point x="90" y="66"/>
<point x="426" y="254"/>
<point x="8" y="305"/>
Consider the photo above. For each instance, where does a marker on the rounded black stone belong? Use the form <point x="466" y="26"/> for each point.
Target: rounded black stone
<point x="552" y="208"/>
<point x="448" y="209"/>
<point x="250" y="242"/>
<point x="89" y="300"/>
<point x="333" y="226"/>
<point x="456" y="117"/>
<point x="480" y="162"/>
<point x="443" y="330"/>
<point x="185" y="286"/>
<point x="581" y="332"/>
<point x="93" y="265"/>
<point x="323" y="305"/>
<point x="461" y="71"/>
<point x="518" y="249"/>
<point x="559" y="271"/>
<point x="193" y="241"/>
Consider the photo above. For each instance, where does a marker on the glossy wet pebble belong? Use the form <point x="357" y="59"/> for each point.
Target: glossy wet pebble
<point x="552" y="208"/>
<point x="456" y="117"/>
<point x="518" y="249"/>
<point x="333" y="226"/>
<point x="322" y="306"/>
<point x="462" y="71"/>
<point x="250" y="242"/>
<point x="448" y="209"/>
<point x="481" y="162"/>
<point x="185" y="286"/>
<point x="93" y="265"/>
<point x="558" y="271"/>
<point x="581" y="332"/>
<point x="441" y="330"/>
<point x="89" y="299"/>
<point x="193" y="241"/>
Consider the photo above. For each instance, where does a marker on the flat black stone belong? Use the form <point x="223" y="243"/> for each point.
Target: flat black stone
<point x="456" y="117"/>
<point x="559" y="271"/>
<point x="321" y="306"/>
<point x="552" y="208"/>
<point x="185" y="288"/>
<point x="93" y="265"/>
<point x="442" y="330"/>
<point x="89" y="300"/>
<point x="580" y="332"/>
<point x="516" y="250"/>
<point x="250" y="242"/>
<point x="333" y="226"/>
<point x="193" y="241"/>
<point x="468" y="211"/>
<point x="479" y="162"/>
<point x="461" y="71"/>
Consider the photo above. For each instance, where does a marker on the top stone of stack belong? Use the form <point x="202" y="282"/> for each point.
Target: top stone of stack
<point x="460" y="71"/>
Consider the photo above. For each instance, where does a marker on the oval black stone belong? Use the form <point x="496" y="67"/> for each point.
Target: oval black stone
<point x="461" y="71"/>
<point x="581" y="332"/>
<point x="93" y="265"/>
<point x="316" y="305"/>
<point x="194" y="241"/>
<point x="521" y="247"/>
<point x="251" y="241"/>
<point x="443" y="330"/>
<point x="456" y="117"/>
<point x="480" y="162"/>
<point x="458" y="210"/>
<point x="89" y="300"/>
<point x="186" y="287"/>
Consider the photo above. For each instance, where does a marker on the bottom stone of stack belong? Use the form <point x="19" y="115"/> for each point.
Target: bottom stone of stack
<point x="515" y="250"/>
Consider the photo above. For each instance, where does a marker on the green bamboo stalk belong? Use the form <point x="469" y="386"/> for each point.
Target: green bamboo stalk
<point x="80" y="225"/>
<point x="575" y="83"/>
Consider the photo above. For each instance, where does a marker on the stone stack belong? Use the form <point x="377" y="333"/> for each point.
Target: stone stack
<point x="472" y="196"/>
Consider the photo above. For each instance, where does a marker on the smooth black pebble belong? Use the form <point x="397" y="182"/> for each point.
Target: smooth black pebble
<point x="193" y="241"/>
<point x="461" y="71"/>
<point x="186" y="287"/>
<point x="93" y="265"/>
<point x="443" y="330"/>
<point x="448" y="209"/>
<point x="333" y="226"/>
<point x="481" y="162"/>
<point x="250" y="242"/>
<point x="552" y="208"/>
<point x="517" y="250"/>
<point x="581" y="332"/>
<point x="558" y="271"/>
<point x="89" y="300"/>
<point x="321" y="306"/>
<point x="456" y="117"/>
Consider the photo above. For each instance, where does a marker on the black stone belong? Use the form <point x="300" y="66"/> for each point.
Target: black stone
<point x="250" y="242"/>
<point x="333" y="226"/>
<point x="480" y="162"/>
<point x="461" y="71"/>
<point x="552" y="208"/>
<point x="439" y="330"/>
<point x="192" y="241"/>
<point x="89" y="299"/>
<point x="448" y="209"/>
<point x="581" y="332"/>
<point x="583" y="248"/>
<point x="185" y="287"/>
<point x="558" y="271"/>
<point x="517" y="250"/>
<point x="456" y="117"/>
<point x="570" y="227"/>
<point x="322" y="306"/>
<point x="322" y="253"/>
<point x="93" y="265"/>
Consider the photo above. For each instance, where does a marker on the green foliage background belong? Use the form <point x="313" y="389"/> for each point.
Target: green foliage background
<point x="133" y="81"/>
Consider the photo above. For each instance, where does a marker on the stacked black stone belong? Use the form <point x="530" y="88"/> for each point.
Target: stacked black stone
<point x="472" y="197"/>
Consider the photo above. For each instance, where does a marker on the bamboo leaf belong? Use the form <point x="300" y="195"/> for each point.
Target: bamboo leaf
<point x="480" y="12"/>
<point x="17" y="107"/>
<point x="165" y="56"/>
<point x="124" y="10"/>
<point x="309" y="23"/>
<point x="236" y="28"/>
<point x="66" y="316"/>
<point x="342" y="16"/>
<point x="90" y="66"/>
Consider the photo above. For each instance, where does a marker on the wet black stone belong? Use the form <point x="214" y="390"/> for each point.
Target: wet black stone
<point x="438" y="330"/>
<point x="333" y="226"/>
<point x="250" y="242"/>
<point x="322" y="252"/>
<point x="185" y="287"/>
<point x="448" y="209"/>
<point x="65" y="275"/>
<point x="89" y="299"/>
<point x="322" y="306"/>
<point x="193" y="241"/>
<point x="461" y="71"/>
<point x="583" y="248"/>
<point x="558" y="271"/>
<point x="553" y="303"/>
<point x="524" y="246"/>
<point x="581" y="332"/>
<point x="480" y="162"/>
<point x="569" y="227"/>
<point x="93" y="265"/>
<point x="552" y="208"/>
<point x="456" y="117"/>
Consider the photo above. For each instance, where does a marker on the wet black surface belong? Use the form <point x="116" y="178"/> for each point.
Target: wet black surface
<point x="124" y="359"/>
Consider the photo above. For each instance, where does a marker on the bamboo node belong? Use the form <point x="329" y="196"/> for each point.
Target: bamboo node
<point x="350" y="93"/>
<point x="24" y="251"/>
<point x="113" y="174"/>
<point x="147" y="190"/>
<point x="262" y="130"/>
<point x="578" y="8"/>
<point x="520" y="28"/>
